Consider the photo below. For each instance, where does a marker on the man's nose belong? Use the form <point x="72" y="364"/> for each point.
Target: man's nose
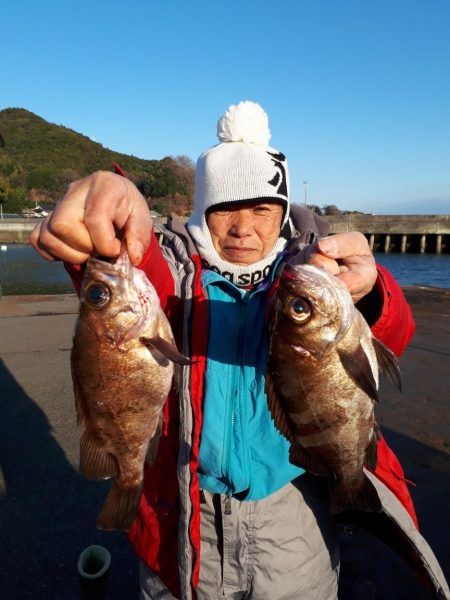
<point x="241" y="225"/>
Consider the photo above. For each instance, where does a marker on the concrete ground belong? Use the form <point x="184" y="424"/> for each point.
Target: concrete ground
<point x="416" y="422"/>
<point x="48" y="510"/>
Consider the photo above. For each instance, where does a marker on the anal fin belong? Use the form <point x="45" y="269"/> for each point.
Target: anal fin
<point x="95" y="462"/>
<point x="300" y="457"/>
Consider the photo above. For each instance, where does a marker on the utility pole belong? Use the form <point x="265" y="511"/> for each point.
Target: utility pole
<point x="305" y="183"/>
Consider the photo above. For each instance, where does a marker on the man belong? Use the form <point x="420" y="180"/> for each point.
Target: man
<point x="222" y="499"/>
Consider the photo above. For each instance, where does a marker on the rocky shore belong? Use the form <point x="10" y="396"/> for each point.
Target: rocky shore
<point x="48" y="511"/>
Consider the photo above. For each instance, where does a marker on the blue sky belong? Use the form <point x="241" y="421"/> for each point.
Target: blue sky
<point x="357" y="91"/>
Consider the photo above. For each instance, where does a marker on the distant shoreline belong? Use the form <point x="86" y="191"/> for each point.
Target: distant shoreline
<point x="34" y="297"/>
<point x="28" y="298"/>
<point x="431" y="300"/>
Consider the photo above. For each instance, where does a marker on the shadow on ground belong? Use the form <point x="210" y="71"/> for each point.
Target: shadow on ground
<point x="429" y="470"/>
<point x="48" y="510"/>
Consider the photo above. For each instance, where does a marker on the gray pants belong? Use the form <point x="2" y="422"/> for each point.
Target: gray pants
<point x="281" y="548"/>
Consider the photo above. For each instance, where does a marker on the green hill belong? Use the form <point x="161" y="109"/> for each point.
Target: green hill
<point x="39" y="159"/>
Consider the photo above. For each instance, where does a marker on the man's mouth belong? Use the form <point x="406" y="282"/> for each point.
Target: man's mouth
<point x="237" y="249"/>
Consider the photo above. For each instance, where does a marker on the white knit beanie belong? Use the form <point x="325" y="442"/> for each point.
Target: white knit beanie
<point x="241" y="168"/>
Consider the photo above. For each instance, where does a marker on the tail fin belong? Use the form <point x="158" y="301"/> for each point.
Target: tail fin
<point x="119" y="509"/>
<point x="355" y="495"/>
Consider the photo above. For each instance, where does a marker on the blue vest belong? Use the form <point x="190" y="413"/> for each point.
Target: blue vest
<point x="241" y="451"/>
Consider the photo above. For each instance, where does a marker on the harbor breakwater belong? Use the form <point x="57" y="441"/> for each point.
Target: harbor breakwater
<point x="16" y="231"/>
<point x="425" y="234"/>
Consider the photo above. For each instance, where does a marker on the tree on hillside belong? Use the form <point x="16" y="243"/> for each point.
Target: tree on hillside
<point x="15" y="200"/>
<point x="331" y="210"/>
<point x="316" y="209"/>
<point x="46" y="157"/>
<point x="170" y="187"/>
<point x="4" y="188"/>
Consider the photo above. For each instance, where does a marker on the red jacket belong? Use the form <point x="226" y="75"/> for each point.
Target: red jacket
<point x="170" y="501"/>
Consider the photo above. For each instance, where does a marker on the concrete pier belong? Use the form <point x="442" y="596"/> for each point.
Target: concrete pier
<point x="398" y="233"/>
<point x="16" y="231"/>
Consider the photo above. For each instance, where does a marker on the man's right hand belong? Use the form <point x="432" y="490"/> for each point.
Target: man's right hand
<point x="92" y="218"/>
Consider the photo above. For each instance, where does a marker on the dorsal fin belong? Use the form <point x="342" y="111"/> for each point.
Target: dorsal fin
<point x="277" y="412"/>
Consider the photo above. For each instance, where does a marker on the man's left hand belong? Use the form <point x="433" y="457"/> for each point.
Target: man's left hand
<point x="348" y="256"/>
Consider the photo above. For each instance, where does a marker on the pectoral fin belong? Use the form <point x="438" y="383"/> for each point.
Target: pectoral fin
<point x="359" y="370"/>
<point x="168" y="349"/>
<point x="387" y="362"/>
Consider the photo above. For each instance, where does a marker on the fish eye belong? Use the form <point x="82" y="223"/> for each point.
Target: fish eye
<point x="298" y="309"/>
<point x="97" y="295"/>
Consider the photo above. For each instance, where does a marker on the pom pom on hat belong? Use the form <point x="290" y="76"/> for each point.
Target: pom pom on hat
<point x="242" y="166"/>
<point x="244" y="122"/>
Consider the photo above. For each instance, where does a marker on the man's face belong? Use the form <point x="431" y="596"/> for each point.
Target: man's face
<point x="246" y="233"/>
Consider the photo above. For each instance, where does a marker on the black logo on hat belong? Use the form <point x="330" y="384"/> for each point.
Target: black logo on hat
<point x="279" y="179"/>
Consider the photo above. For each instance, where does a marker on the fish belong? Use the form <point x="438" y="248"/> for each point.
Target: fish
<point x="322" y="382"/>
<point x="122" y="364"/>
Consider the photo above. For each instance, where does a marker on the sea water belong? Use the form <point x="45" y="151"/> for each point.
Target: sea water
<point x="23" y="271"/>
<point x="418" y="269"/>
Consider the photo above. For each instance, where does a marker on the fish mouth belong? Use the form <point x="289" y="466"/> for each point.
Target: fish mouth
<point x="305" y="274"/>
<point x="135" y="330"/>
<point x="101" y="262"/>
<point x="317" y="279"/>
<point x="300" y="350"/>
<point x="113" y="263"/>
<point x="145" y="302"/>
<point x="290" y="273"/>
<point x="121" y="266"/>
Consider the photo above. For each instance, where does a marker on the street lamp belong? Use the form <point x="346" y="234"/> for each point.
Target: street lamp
<point x="305" y="183"/>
